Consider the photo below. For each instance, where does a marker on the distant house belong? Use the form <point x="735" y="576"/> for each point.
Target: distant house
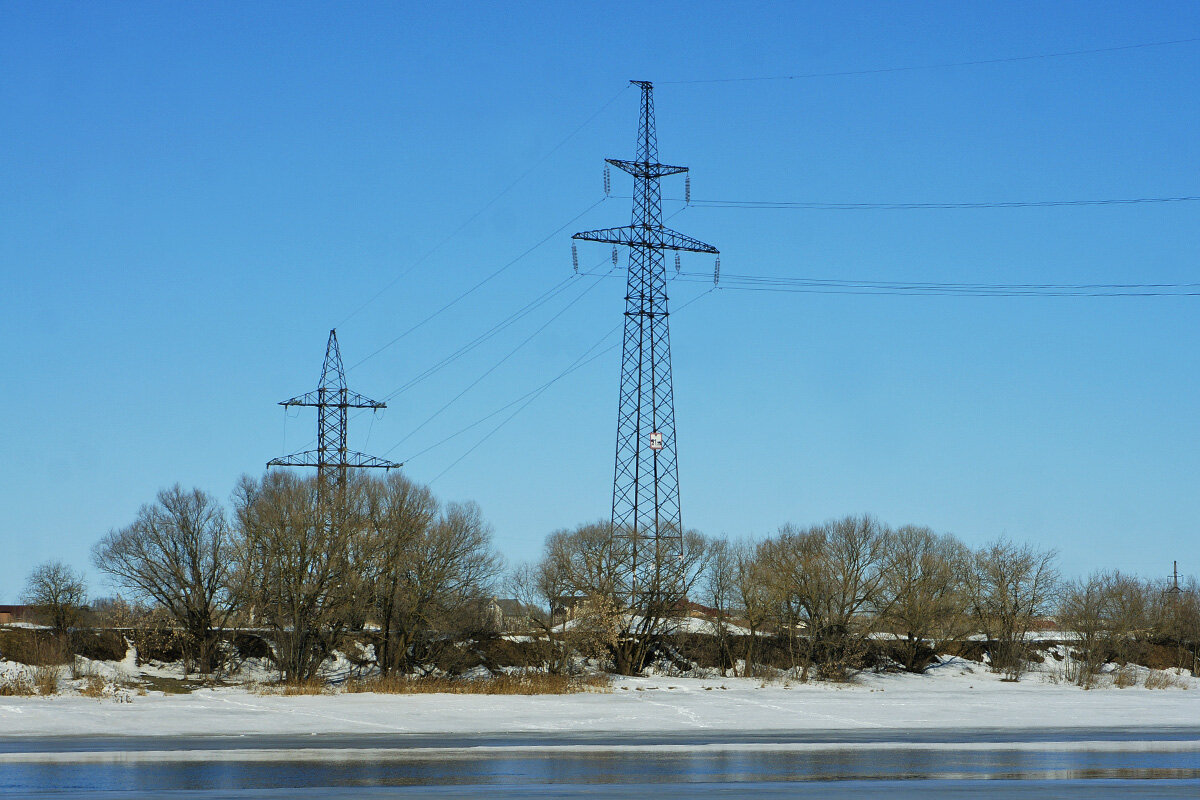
<point x="563" y="607"/>
<point x="506" y="614"/>
<point x="11" y="614"/>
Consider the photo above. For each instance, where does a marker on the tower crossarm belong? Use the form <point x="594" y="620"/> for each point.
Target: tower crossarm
<point x="312" y="458"/>
<point x="658" y="238"/>
<point x="643" y="169"/>
<point x="333" y="399"/>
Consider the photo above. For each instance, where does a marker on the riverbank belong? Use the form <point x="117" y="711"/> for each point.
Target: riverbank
<point x="958" y="694"/>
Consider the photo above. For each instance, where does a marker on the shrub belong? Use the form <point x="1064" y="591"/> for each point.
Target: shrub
<point x="101" y="645"/>
<point x="45" y="678"/>
<point x="251" y="645"/>
<point x="16" y="686"/>
<point x="1125" y="677"/>
<point x="1161" y="679"/>
<point x="33" y="647"/>
<point x="95" y="686"/>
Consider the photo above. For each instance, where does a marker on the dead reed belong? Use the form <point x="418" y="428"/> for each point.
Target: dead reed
<point x="515" y="684"/>
<point x="309" y="686"/>
<point x="45" y="678"/>
<point x="1125" y="677"/>
<point x="94" y="686"/>
<point x="1161" y="679"/>
<point x="16" y="686"/>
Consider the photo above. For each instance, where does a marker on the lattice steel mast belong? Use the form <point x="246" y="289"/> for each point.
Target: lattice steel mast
<point x="646" y="516"/>
<point x="333" y="400"/>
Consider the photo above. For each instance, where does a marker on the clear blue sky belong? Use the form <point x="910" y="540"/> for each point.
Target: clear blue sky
<point x="194" y="194"/>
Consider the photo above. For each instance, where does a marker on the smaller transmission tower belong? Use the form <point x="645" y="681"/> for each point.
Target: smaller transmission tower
<point x="333" y="400"/>
<point x="1173" y="592"/>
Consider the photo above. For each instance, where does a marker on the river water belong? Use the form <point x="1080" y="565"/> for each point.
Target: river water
<point x="1042" y="763"/>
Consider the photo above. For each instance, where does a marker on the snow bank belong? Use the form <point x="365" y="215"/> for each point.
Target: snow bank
<point x="957" y="694"/>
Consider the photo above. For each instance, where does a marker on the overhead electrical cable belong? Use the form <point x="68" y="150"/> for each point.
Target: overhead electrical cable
<point x="481" y="283"/>
<point x="575" y="365"/>
<point x="496" y="329"/>
<point x="536" y="393"/>
<point x="813" y="205"/>
<point x="778" y="283"/>
<point x="508" y="322"/>
<point x="532" y="305"/>
<point x="498" y="363"/>
<point x="942" y="65"/>
<point x="775" y="283"/>
<point x="485" y="207"/>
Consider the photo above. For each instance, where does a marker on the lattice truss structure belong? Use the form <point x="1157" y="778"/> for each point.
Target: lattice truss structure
<point x="646" y="516"/>
<point x="333" y="401"/>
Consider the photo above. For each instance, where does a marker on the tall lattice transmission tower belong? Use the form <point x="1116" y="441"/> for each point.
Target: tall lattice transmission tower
<point x="333" y="400"/>
<point x="646" y="517"/>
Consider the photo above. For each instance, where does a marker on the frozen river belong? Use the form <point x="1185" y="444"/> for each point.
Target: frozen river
<point x="1083" y="763"/>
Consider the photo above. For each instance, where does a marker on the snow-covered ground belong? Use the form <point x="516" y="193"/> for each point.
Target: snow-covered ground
<point x="957" y="694"/>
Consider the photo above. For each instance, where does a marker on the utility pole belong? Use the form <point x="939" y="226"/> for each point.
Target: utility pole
<point x="646" y="518"/>
<point x="333" y="400"/>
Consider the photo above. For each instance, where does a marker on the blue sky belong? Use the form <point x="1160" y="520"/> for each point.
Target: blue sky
<point x="193" y="195"/>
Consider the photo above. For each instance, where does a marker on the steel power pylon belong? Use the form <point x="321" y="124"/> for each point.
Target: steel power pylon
<point x="333" y="400"/>
<point x="646" y="518"/>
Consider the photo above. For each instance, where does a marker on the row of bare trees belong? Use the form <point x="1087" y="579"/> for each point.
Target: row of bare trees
<point x="385" y="560"/>
<point x="1115" y="617"/>
<point x="841" y="594"/>
<point x="308" y="566"/>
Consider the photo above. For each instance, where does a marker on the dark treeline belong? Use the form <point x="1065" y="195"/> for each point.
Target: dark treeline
<point x="385" y="563"/>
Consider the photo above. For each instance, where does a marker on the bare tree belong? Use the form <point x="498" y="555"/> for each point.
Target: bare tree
<point x="1128" y="617"/>
<point x="586" y="564"/>
<point x="534" y="589"/>
<point x="752" y="586"/>
<point x="720" y="593"/>
<point x="1082" y="611"/>
<point x="828" y="577"/>
<point x="921" y="595"/>
<point x="434" y="580"/>
<point x="399" y="513"/>
<point x="578" y="576"/>
<point x="293" y="564"/>
<point x="1010" y="587"/>
<point x="1175" y="619"/>
<point x="59" y="592"/>
<point x="178" y="554"/>
<point x="1110" y="614"/>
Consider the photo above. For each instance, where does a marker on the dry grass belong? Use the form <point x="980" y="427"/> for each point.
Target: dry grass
<point x="45" y="678"/>
<point x="1125" y="677"/>
<point x="1161" y="679"/>
<point x="526" y="684"/>
<point x="94" y="687"/>
<point x="19" y="686"/>
<point x="312" y="686"/>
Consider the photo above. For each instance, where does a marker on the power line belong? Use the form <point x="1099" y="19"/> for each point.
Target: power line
<point x="474" y="288"/>
<point x="497" y="364"/>
<point x="529" y="397"/>
<point x="771" y="283"/>
<point x="812" y="205"/>
<point x="578" y="364"/>
<point x="484" y="208"/>
<point x="507" y="322"/>
<point x="777" y="283"/>
<point x="943" y="65"/>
